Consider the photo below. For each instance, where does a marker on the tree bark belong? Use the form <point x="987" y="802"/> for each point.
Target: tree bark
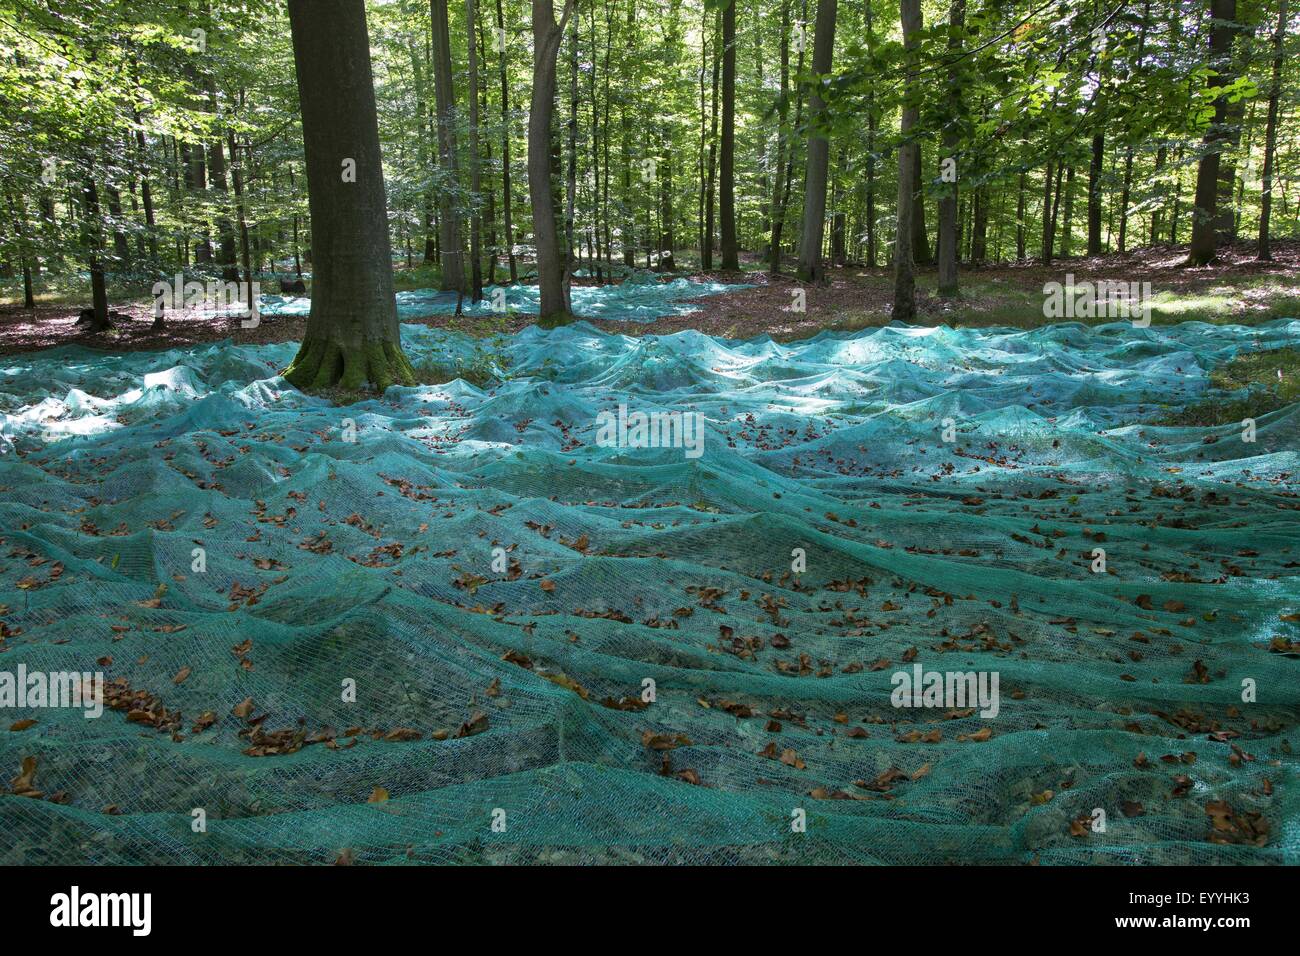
<point x="811" y="267"/>
<point x="1204" y="215"/>
<point x="475" y="179"/>
<point x="1095" y="165"/>
<point x="904" y="308"/>
<point x="451" y="255"/>
<point x="727" y="203"/>
<point x="352" y="334"/>
<point x="948" y="203"/>
<point x="550" y="268"/>
<point x="1263" y="250"/>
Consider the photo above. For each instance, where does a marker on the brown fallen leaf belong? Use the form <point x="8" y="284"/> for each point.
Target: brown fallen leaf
<point x="181" y="674"/>
<point x="378" y="795"/>
<point x="18" y="725"/>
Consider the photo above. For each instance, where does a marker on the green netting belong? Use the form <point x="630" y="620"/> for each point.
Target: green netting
<point x="641" y="297"/>
<point x="371" y="560"/>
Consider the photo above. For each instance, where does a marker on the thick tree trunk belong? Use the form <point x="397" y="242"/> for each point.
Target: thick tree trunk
<point x="727" y="203"/>
<point x="811" y="267"/>
<point x="451" y="255"/>
<point x="352" y="334"/>
<point x="904" y="308"/>
<point x="1264" y="251"/>
<point x="1204" y="215"/>
<point x="550" y="267"/>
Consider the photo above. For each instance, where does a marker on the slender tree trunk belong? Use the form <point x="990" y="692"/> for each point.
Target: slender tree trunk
<point x="352" y="334"/>
<point x="811" y="267"/>
<point x="450" y="253"/>
<point x="571" y="240"/>
<point x="706" y="251"/>
<point x="18" y="213"/>
<point x="93" y="236"/>
<point x="782" y="137"/>
<point x="920" y="239"/>
<point x="1095" y="167"/>
<point x="475" y="179"/>
<point x="1263" y="250"/>
<point x="1204" y="215"/>
<point x="951" y="138"/>
<point x="1020" y="218"/>
<point x="904" y="308"/>
<point x="506" y="199"/>
<point x="727" y="203"/>
<point x="547" y="35"/>
<point x="980" y="227"/>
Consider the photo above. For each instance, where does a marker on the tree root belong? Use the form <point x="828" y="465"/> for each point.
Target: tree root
<point x="323" y="363"/>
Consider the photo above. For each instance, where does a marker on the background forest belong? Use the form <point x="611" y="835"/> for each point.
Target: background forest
<point x="145" y="138"/>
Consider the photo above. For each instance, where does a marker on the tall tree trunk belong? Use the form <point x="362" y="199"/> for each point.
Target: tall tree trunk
<point x="571" y="240"/>
<point x="783" y="114"/>
<point x="93" y="237"/>
<point x="778" y="221"/>
<point x="951" y="139"/>
<point x="475" y="179"/>
<point x="1095" y="166"/>
<point x="352" y="334"/>
<point x="1020" y="218"/>
<point x="225" y="232"/>
<point x="506" y="198"/>
<point x="904" y="308"/>
<point x="1204" y="215"/>
<point x="811" y="267"/>
<point x="547" y="35"/>
<point x="1263" y="250"/>
<point x="451" y="254"/>
<point x="237" y="178"/>
<point x="980" y="227"/>
<point x="706" y="251"/>
<point x="18" y="213"/>
<point x="920" y="239"/>
<point x="727" y="202"/>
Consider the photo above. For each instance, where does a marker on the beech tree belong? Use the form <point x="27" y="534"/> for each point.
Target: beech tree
<point x="547" y="34"/>
<point x="352" y="334"/>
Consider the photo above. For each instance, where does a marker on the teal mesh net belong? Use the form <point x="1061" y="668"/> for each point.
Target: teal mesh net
<point x="640" y="297"/>
<point x="767" y="591"/>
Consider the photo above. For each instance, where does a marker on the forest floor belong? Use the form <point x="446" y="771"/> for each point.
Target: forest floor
<point x="1238" y="289"/>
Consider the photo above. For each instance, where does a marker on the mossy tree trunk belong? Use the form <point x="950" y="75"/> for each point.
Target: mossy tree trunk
<point x="352" y="334"/>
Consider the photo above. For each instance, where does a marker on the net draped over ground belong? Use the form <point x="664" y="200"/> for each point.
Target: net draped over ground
<point x="515" y="697"/>
<point x="640" y="298"/>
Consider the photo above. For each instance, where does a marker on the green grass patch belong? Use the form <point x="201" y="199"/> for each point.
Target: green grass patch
<point x="1272" y="381"/>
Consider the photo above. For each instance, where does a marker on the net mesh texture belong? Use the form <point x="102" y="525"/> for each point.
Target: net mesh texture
<point x="764" y="594"/>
